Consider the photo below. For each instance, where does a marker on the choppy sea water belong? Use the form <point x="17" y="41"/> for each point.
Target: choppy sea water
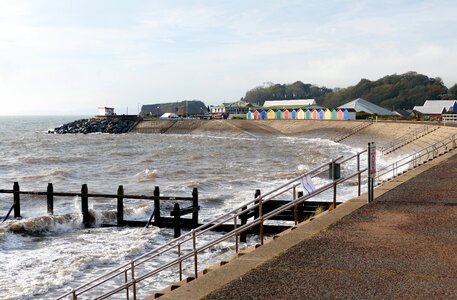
<point x="51" y="254"/>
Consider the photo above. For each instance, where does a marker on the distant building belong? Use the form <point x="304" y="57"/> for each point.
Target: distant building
<point x="105" y="111"/>
<point x="362" y="105"/>
<point x="225" y="109"/>
<point x="181" y="108"/>
<point x="436" y="108"/>
<point x="294" y="104"/>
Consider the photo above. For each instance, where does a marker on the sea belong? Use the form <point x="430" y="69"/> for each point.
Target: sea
<point x="50" y="255"/>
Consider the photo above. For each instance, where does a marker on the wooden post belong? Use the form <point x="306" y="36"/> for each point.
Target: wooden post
<point x="120" y="206"/>
<point x="85" y="205"/>
<point x="177" y="220"/>
<point x="300" y="208"/>
<point x="157" y="219"/>
<point x="256" y="211"/>
<point x="17" y="200"/>
<point x="50" y="199"/>
<point x="244" y="220"/>
<point x="195" y="207"/>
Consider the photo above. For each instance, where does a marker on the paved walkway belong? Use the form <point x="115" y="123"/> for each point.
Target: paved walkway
<point x="403" y="245"/>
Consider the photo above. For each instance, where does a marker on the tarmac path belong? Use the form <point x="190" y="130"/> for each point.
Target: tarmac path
<point x="401" y="246"/>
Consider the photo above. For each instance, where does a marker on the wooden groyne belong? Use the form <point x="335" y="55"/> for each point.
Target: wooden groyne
<point x="176" y="217"/>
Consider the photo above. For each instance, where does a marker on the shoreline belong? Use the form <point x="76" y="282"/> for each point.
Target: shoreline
<point x="228" y="280"/>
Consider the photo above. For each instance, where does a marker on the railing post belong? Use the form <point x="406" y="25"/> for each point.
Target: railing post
<point x="261" y="220"/>
<point x="334" y="183"/>
<point x="157" y="219"/>
<point x="359" y="176"/>
<point x="236" y="235"/>
<point x="50" y="199"/>
<point x="85" y="205"/>
<point x="194" y="247"/>
<point x="300" y="208"/>
<point x="17" y="200"/>
<point x="180" y="262"/>
<point x="120" y="206"/>
<point x="195" y="207"/>
<point x="177" y="220"/>
<point x="73" y="294"/>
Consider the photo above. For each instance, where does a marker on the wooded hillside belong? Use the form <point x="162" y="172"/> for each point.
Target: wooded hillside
<point x="392" y="91"/>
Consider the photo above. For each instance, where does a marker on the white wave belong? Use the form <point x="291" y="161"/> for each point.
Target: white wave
<point x="146" y="175"/>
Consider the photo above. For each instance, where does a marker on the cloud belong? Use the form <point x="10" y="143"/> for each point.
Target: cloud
<point x="167" y="51"/>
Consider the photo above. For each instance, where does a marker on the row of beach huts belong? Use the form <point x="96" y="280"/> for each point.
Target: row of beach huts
<point x="300" y="114"/>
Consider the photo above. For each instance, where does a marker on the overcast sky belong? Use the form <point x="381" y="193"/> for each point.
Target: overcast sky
<point x="71" y="56"/>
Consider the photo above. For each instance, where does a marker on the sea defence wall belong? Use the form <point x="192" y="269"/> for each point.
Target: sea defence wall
<point x="354" y="133"/>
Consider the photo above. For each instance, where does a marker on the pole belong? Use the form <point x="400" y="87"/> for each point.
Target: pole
<point x="157" y="220"/>
<point x="195" y="207"/>
<point x="85" y="205"/>
<point x="371" y="170"/>
<point x="50" y="199"/>
<point x="120" y="206"/>
<point x="17" y="200"/>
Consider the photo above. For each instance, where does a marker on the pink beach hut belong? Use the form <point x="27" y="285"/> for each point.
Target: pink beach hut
<point x="314" y="114"/>
<point x="256" y="115"/>
<point x="286" y="114"/>
<point x="339" y="114"/>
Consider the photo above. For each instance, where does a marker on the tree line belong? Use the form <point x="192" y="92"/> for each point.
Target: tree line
<point x="402" y="91"/>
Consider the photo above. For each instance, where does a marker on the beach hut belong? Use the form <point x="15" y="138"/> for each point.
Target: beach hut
<point x="334" y="115"/>
<point x="314" y="114"/>
<point x="340" y="114"/>
<point x="263" y="115"/>
<point x="327" y="114"/>
<point x="286" y="114"/>
<point x="278" y="114"/>
<point x="256" y="115"/>
<point x="271" y="114"/>
<point x="249" y="115"/>
<point x="293" y="114"/>
<point x="308" y="115"/>
<point x="321" y="114"/>
<point x="300" y="114"/>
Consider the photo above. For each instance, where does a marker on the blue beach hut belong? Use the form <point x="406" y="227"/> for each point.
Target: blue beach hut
<point x="263" y="115"/>
<point x="293" y="114"/>
<point x="346" y="114"/>
<point x="321" y="114"/>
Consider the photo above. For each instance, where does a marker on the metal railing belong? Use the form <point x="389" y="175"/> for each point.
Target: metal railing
<point x="189" y="248"/>
<point x="416" y="159"/>
<point x="407" y="138"/>
<point x="352" y="131"/>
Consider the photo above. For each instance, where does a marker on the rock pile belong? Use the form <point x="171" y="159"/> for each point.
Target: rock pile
<point x="115" y="125"/>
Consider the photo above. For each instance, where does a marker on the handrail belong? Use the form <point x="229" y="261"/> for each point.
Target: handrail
<point x="352" y="131"/>
<point x="416" y="158"/>
<point x="406" y="139"/>
<point x="227" y="217"/>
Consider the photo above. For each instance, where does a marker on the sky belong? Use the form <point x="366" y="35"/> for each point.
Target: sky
<point x="70" y="56"/>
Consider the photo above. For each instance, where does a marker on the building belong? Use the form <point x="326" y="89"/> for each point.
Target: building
<point x="362" y="105"/>
<point x="435" y="108"/>
<point x="293" y="104"/>
<point x="225" y="109"/>
<point x="105" y="111"/>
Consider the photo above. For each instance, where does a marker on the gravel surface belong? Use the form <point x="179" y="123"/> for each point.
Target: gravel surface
<point x="403" y="245"/>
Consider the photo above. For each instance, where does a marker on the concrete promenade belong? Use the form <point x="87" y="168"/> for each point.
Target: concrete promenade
<point x="401" y="246"/>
